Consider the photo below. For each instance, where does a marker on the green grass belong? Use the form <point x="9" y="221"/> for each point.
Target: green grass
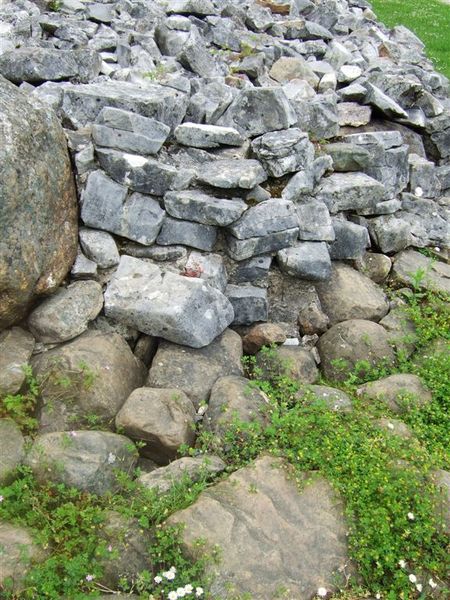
<point x="429" y="20"/>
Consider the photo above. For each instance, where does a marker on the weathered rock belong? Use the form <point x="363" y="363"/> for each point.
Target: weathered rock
<point x="209" y="267"/>
<point x="390" y="233"/>
<point x="162" y="418"/>
<point x="99" y="247"/>
<point x="87" y="379"/>
<point x="353" y="343"/>
<point x="195" y="56"/>
<point x="332" y="398"/>
<point x="353" y="114"/>
<point x="19" y="554"/>
<point x="233" y="400"/>
<point x="207" y="136"/>
<point x="399" y="392"/>
<point x="87" y="460"/>
<point x="12" y="450"/>
<point x="16" y="346"/>
<point x="441" y="479"/>
<point x="187" y="468"/>
<point x="290" y="361"/>
<point x="259" y="110"/>
<point x="289" y="68"/>
<point x="395" y="427"/>
<point x="183" y="310"/>
<point x="262" y="334"/>
<point x="36" y="65"/>
<point x="243" y="249"/>
<point x="402" y="333"/>
<point x="307" y="260"/>
<point x="350" y="241"/>
<point x="203" y="208"/>
<point x="228" y="174"/>
<point x="349" y="191"/>
<point x="284" y="152"/>
<point x="249" y="303"/>
<point x="270" y="216"/>
<point x="192" y="7"/>
<point x="127" y="547"/>
<point x="374" y="266"/>
<point x="318" y="116"/>
<point x="194" y="371"/>
<point x="350" y="295"/>
<point x="38" y="203"/>
<point x="252" y="270"/>
<point x="383" y="102"/>
<point x="67" y="312"/>
<point x="314" y="221"/>
<point x="187" y="233"/>
<point x="249" y="527"/>
<point x="348" y="157"/>
<point x="409" y="264"/>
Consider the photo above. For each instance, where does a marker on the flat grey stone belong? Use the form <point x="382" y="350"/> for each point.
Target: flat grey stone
<point x="194" y="468"/>
<point x="145" y="175"/>
<point x="196" y="57"/>
<point x="84" y="268"/>
<point x="86" y="460"/>
<point x="390" y="233"/>
<point x="83" y="103"/>
<point x="66" y="313"/>
<point x="335" y="399"/>
<point x="228" y="174"/>
<point x="260" y="110"/>
<point x="348" y="156"/>
<point x="307" y="260"/>
<point x="191" y="7"/>
<point x="249" y="303"/>
<point x="289" y="68"/>
<point x="318" y="115"/>
<point x="16" y="347"/>
<point x="314" y="221"/>
<point x="399" y="392"/>
<point x="436" y="273"/>
<point x="12" y="450"/>
<point x="209" y="267"/>
<point x="162" y="418"/>
<point x="351" y="240"/>
<point x="107" y="206"/>
<point x="349" y="191"/>
<point x="207" y="136"/>
<point x="243" y="249"/>
<point x="284" y="152"/>
<point x="253" y="269"/>
<point x="99" y="247"/>
<point x="187" y="233"/>
<point x="352" y="114"/>
<point x="101" y="13"/>
<point x="180" y="309"/>
<point x="203" y="208"/>
<point x="383" y="102"/>
<point x="259" y="512"/>
<point x="270" y="216"/>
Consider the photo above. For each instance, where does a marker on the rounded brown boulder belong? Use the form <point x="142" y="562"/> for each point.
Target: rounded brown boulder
<point x="38" y="208"/>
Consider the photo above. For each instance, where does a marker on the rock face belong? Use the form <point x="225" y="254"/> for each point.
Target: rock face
<point x="16" y="346"/>
<point x="398" y="392"/>
<point x="19" y="553"/>
<point x="38" y="203"/>
<point x="12" y="450"/>
<point x="265" y="543"/>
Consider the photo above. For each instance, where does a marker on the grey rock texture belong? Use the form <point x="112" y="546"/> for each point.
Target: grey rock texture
<point x="16" y="347"/>
<point x="349" y="191"/>
<point x="399" y="392"/>
<point x="229" y="174"/>
<point x="307" y="260"/>
<point x="12" y="450"/>
<point x="38" y="202"/>
<point x="436" y="275"/>
<point x="183" y="310"/>
<point x="87" y="460"/>
<point x="187" y="233"/>
<point x="207" y="136"/>
<point x="249" y="303"/>
<point x="250" y="526"/>
<point x="20" y="553"/>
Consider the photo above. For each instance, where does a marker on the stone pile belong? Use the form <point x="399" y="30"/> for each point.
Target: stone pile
<point x="248" y="172"/>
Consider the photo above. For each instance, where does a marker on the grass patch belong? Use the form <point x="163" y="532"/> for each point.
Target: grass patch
<point x="430" y="21"/>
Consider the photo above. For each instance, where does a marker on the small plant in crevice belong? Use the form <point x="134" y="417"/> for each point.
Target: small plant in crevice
<point x="21" y="407"/>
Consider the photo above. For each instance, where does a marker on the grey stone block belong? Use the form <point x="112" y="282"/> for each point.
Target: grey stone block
<point x="186" y="233"/>
<point x="307" y="260"/>
<point x="249" y="303"/>
<point x="203" y="208"/>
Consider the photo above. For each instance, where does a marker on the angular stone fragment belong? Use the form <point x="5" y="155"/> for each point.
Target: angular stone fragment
<point x="289" y="68"/>
<point x="263" y="334"/>
<point x="436" y="274"/>
<point x="353" y="114"/>
<point x="141" y="174"/>
<point x="308" y="260"/>
<point x="399" y="392"/>
<point x="354" y="343"/>
<point x="259" y="110"/>
<point x="16" y="347"/>
<point x="192" y="468"/>
<point x="203" y="208"/>
<point x="375" y="266"/>
<point x="351" y="240"/>
<point x="351" y="295"/>
<point x="249" y="303"/>
<point x="36" y="65"/>
<point x="191" y="7"/>
<point x="87" y="460"/>
<point x="196" y="57"/>
<point x="183" y="310"/>
<point x="314" y="221"/>
<point x="162" y="418"/>
<point x="423" y="177"/>
<point x="284" y="151"/>
<point x="267" y="217"/>
<point x="349" y="191"/>
<point x="318" y="115"/>
<point x="88" y="378"/>
<point x="196" y="370"/>
<point x="243" y="249"/>
<point x="390" y="233"/>
<point x="124" y="130"/>
<point x="83" y="268"/>
<point x="348" y="157"/>
<point x="259" y="513"/>
<point x="67" y="312"/>
<point x="187" y="233"/>
<point x="254" y="269"/>
<point x="209" y="267"/>
<point x="228" y="174"/>
<point x="83" y="103"/>
<point x="12" y="450"/>
<point x="207" y="136"/>
<point x="383" y="102"/>
<point x="100" y="247"/>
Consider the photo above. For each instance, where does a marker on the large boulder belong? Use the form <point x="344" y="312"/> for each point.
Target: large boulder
<point x="86" y="381"/>
<point x="398" y="392"/>
<point x="38" y="203"/>
<point x="271" y="535"/>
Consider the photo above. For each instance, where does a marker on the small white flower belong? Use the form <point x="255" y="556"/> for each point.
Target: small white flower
<point x="1" y="498"/>
<point x="411" y="516"/>
<point x="412" y="578"/>
<point x="90" y="577"/>
<point x="169" y="575"/>
<point x="181" y="592"/>
<point x="188" y="588"/>
<point x="322" y="592"/>
<point x="109" y="548"/>
<point x="402" y="563"/>
<point x="73" y="433"/>
<point x="199" y="591"/>
<point x="419" y="587"/>
<point x="390" y="426"/>
<point x="378" y="595"/>
<point x="437" y="249"/>
<point x="432" y="583"/>
<point x="111" y="458"/>
<point x="418" y="192"/>
<point x="172" y="570"/>
<point x="172" y="596"/>
<point x="157" y="579"/>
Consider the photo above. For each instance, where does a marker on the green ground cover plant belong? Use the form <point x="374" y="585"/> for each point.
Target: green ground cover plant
<point x="430" y="21"/>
